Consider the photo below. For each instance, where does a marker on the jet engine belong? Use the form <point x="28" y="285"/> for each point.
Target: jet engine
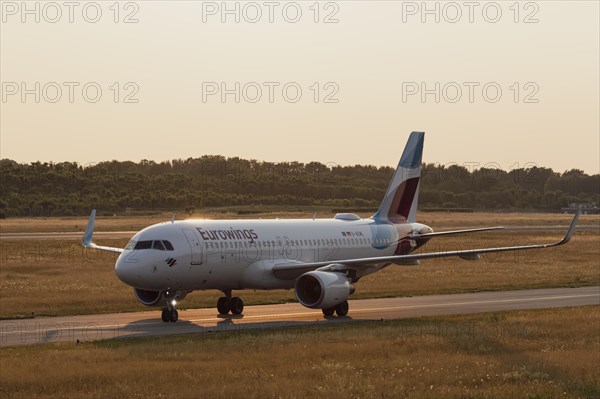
<point x="321" y="290"/>
<point x="156" y="298"/>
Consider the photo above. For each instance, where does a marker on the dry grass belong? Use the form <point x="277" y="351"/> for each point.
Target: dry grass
<point x="76" y="223"/>
<point x="60" y="278"/>
<point x="534" y="354"/>
<point x="446" y="219"/>
<point x="437" y="220"/>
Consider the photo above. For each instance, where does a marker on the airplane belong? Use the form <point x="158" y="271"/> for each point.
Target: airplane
<point x="321" y="259"/>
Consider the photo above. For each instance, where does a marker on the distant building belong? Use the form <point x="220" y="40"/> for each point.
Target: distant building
<point x="586" y="208"/>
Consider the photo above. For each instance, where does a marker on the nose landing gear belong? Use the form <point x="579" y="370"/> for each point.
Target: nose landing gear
<point x="170" y="314"/>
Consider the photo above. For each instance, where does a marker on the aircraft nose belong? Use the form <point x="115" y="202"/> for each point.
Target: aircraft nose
<point x="125" y="271"/>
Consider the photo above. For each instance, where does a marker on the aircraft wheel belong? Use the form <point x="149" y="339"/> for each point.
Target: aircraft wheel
<point x="174" y="315"/>
<point x="223" y="305"/>
<point x="166" y="315"/>
<point x="328" y="311"/>
<point x="236" y="305"/>
<point x="342" y="308"/>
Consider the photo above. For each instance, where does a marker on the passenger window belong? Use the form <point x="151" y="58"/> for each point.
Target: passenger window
<point x="158" y="245"/>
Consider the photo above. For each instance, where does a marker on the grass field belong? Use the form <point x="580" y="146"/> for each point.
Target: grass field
<point x="523" y="354"/>
<point x="60" y="278"/>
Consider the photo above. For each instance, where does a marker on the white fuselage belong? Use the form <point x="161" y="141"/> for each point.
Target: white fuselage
<point x="238" y="254"/>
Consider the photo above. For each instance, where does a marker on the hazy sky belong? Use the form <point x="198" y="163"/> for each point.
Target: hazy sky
<point x="492" y="83"/>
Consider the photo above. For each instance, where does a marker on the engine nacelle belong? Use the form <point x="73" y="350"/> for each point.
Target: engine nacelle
<point x="155" y="298"/>
<point x="320" y="290"/>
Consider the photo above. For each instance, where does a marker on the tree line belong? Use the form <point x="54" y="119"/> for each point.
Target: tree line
<point x="69" y="188"/>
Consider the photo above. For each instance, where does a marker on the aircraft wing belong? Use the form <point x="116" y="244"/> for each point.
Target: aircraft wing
<point x="86" y="240"/>
<point x="451" y="232"/>
<point x="290" y="271"/>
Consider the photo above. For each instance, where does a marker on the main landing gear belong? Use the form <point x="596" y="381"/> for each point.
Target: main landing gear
<point x="227" y="304"/>
<point x="340" y="309"/>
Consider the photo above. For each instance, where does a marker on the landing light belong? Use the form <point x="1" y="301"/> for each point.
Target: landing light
<point x="173" y="302"/>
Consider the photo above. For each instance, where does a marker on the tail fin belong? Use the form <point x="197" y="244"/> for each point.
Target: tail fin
<point x="400" y="202"/>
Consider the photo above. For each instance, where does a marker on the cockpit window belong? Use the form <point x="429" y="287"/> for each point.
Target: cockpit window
<point x="143" y="245"/>
<point x="161" y="245"/>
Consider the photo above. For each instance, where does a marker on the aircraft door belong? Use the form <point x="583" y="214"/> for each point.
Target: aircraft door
<point x="195" y="246"/>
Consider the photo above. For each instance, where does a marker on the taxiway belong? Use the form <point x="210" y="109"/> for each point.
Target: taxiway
<point x="139" y="324"/>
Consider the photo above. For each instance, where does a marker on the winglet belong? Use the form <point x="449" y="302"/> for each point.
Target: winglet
<point x="571" y="230"/>
<point x="86" y="240"/>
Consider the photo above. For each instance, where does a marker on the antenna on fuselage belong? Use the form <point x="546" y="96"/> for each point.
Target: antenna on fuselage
<point x="173" y="219"/>
<point x="314" y="215"/>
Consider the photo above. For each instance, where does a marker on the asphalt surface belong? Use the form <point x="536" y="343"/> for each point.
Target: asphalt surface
<point x="140" y="324"/>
